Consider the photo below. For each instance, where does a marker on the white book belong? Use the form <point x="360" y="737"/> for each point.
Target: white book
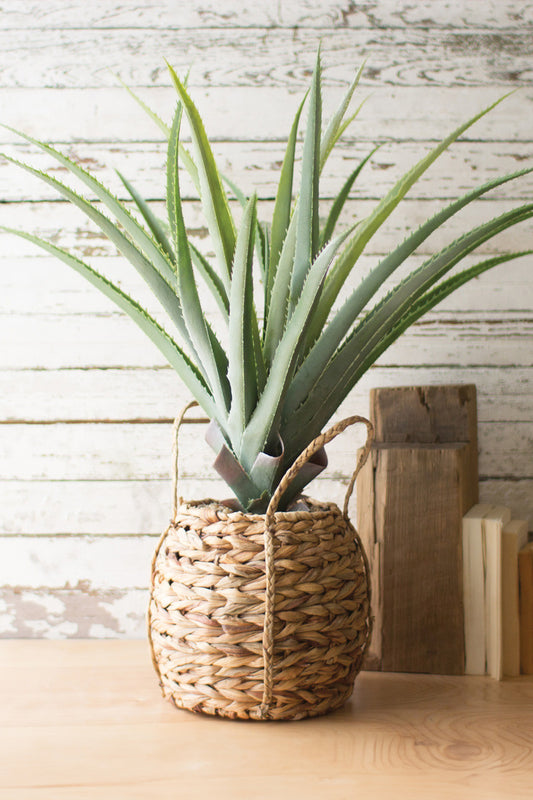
<point x="514" y="539"/>
<point x="493" y="524"/>
<point x="474" y="590"/>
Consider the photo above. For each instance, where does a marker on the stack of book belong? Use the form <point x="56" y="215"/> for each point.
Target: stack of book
<point x="497" y="593"/>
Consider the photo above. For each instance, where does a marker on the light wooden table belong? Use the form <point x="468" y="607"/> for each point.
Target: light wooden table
<point x="84" y="719"/>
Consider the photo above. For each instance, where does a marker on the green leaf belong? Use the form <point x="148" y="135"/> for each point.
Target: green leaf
<point x="212" y="358"/>
<point x="139" y="236"/>
<point x="163" y="287"/>
<point x="282" y="206"/>
<point x="336" y="127"/>
<point x="307" y="231"/>
<point x="369" y="354"/>
<point x="262" y="424"/>
<point x="185" y="156"/>
<point x="428" y="301"/>
<point x="187" y="371"/>
<point x="151" y="220"/>
<point x="279" y="299"/>
<point x="260" y="229"/>
<point x="213" y="197"/>
<point x="152" y="114"/>
<point x="373" y="222"/>
<point x="211" y="278"/>
<point x="336" y="380"/>
<point x="329" y="339"/>
<point x="241" y="368"/>
<point x="340" y="200"/>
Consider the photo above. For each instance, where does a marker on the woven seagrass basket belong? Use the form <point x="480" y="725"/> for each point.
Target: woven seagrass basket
<point x="260" y="616"/>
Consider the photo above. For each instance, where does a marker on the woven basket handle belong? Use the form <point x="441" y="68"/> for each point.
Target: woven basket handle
<point x="178" y="422"/>
<point x="310" y="450"/>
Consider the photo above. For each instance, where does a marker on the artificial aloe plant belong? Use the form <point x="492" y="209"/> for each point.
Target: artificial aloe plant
<point x="292" y="358"/>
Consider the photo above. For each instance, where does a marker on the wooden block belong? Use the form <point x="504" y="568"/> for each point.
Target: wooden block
<point x="411" y="500"/>
<point x="514" y="539"/>
<point x="429" y="414"/>
<point x="525" y="567"/>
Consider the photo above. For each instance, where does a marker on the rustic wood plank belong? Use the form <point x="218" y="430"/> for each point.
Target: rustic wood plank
<point x="434" y="414"/>
<point x="126" y="507"/>
<point x="33" y="283"/>
<point x="410" y="523"/>
<point x="104" y="563"/>
<point x="256" y="166"/>
<point x="141" y="451"/>
<point x="55" y="341"/>
<point x="165" y="14"/>
<point x="390" y="112"/>
<point x="84" y="717"/>
<point x="271" y="57"/>
<point x="504" y="394"/>
<point x="68" y="227"/>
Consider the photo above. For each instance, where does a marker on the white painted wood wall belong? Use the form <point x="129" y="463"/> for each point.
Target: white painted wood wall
<point x="85" y="402"/>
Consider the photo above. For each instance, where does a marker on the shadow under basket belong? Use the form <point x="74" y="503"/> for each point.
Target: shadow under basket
<point x="261" y="616"/>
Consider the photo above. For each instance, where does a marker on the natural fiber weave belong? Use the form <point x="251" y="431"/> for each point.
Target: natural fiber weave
<point x="221" y="646"/>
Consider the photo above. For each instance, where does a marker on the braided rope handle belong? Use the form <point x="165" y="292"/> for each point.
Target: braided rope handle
<point x="178" y="422"/>
<point x="311" y="449"/>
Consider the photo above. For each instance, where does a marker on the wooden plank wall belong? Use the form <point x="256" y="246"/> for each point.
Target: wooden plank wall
<point x="85" y="402"/>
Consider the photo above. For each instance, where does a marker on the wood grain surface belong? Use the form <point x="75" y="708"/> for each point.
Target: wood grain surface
<point x="85" y="401"/>
<point x="86" y="720"/>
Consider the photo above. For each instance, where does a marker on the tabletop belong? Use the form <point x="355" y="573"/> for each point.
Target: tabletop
<point x="84" y="719"/>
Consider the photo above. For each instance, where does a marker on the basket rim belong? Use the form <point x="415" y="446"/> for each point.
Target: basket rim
<point x="317" y="509"/>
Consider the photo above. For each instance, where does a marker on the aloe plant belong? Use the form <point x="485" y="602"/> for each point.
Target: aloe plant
<point x="292" y="358"/>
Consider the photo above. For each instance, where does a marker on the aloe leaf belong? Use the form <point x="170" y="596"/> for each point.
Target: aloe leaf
<point x="278" y="306"/>
<point x="371" y="353"/>
<point x="278" y="303"/>
<point x="207" y="347"/>
<point x="307" y="231"/>
<point x="137" y="233"/>
<point x="211" y="278"/>
<point x="151" y="220"/>
<point x="268" y="409"/>
<point x="259" y="357"/>
<point x="336" y="380"/>
<point x="185" y="368"/>
<point x="185" y="156"/>
<point x="335" y="127"/>
<point x="262" y="250"/>
<point x="152" y="114"/>
<point x="263" y="236"/>
<point x="241" y="361"/>
<point x="346" y="123"/>
<point x="373" y="222"/>
<point x="282" y="206"/>
<point x="213" y="197"/>
<point x="261" y="230"/>
<point x="341" y="198"/>
<point x="428" y="301"/>
<point x="163" y="286"/>
<point x="330" y="338"/>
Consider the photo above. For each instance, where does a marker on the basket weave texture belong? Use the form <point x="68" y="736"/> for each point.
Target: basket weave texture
<point x="259" y="616"/>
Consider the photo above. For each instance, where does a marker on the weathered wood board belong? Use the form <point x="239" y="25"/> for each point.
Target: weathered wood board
<point x="411" y="500"/>
<point x="68" y="358"/>
<point x="433" y="415"/>
<point x="412" y="495"/>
